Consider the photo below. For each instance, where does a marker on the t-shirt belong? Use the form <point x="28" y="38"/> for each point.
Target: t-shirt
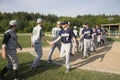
<point x="87" y="32"/>
<point x="66" y="35"/>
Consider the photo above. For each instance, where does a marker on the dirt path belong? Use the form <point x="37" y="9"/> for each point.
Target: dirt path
<point x="106" y="59"/>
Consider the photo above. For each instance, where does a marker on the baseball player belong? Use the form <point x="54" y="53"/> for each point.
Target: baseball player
<point x="81" y="43"/>
<point x="36" y="40"/>
<point x="55" y="32"/>
<point x="104" y="35"/>
<point x="9" y="45"/>
<point x="87" y="35"/>
<point x="66" y="35"/>
<point x="75" y="48"/>
<point x="94" y="42"/>
<point x="99" y="30"/>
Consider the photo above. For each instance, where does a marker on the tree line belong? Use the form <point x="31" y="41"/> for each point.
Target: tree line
<point x="28" y="20"/>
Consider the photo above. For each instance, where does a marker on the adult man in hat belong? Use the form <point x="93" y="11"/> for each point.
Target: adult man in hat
<point x="9" y="45"/>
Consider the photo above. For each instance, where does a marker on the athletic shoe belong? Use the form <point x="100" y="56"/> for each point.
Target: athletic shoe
<point x="32" y="68"/>
<point x="18" y="79"/>
<point x="37" y="67"/>
<point x="49" y="61"/>
<point x="84" y="57"/>
<point x="67" y="70"/>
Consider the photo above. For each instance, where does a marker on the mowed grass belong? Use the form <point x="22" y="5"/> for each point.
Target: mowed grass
<point x="53" y="71"/>
<point x="25" y="40"/>
<point x="110" y="39"/>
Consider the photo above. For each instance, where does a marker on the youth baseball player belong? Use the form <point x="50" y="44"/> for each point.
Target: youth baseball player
<point x="55" y="32"/>
<point x="9" y="45"/>
<point x="94" y="41"/>
<point x="87" y="35"/>
<point x="36" y="40"/>
<point x="75" y="48"/>
<point x="81" y="43"/>
<point x="99" y="30"/>
<point x="66" y="35"/>
<point x="104" y="35"/>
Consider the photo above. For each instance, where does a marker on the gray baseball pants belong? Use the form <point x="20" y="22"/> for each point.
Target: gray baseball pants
<point x="58" y="45"/>
<point x="65" y="52"/>
<point x="12" y="59"/>
<point x="38" y="49"/>
<point x="87" y="47"/>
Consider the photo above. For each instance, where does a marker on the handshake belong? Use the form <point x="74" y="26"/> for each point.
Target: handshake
<point x="50" y="43"/>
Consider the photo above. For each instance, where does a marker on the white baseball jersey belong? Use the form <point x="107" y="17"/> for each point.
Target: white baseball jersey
<point x="36" y="34"/>
<point x="55" y="32"/>
<point x="75" y="32"/>
<point x="80" y="33"/>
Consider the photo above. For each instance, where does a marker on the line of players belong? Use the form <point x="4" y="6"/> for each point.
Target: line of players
<point x="89" y="39"/>
<point x="86" y="40"/>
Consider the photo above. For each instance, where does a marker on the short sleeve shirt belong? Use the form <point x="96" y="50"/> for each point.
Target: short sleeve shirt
<point x="87" y="32"/>
<point x="66" y="35"/>
<point x="55" y="32"/>
<point x="99" y="31"/>
<point x="37" y="34"/>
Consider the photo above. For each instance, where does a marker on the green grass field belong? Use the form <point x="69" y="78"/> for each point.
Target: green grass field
<point x="53" y="71"/>
<point x="113" y="39"/>
<point x="25" y="40"/>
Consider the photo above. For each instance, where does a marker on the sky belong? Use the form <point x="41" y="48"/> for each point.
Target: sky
<point x="70" y="8"/>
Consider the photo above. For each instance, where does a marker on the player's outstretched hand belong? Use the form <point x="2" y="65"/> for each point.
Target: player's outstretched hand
<point x="50" y="43"/>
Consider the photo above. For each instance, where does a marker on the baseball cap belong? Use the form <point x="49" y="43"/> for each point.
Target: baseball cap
<point x="68" y="23"/>
<point x="58" y="22"/>
<point x="39" y="20"/>
<point x="75" y="26"/>
<point x="64" y="22"/>
<point x="86" y="23"/>
<point x="13" y="22"/>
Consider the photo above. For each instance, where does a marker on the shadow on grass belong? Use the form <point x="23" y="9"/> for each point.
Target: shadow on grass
<point x="25" y="72"/>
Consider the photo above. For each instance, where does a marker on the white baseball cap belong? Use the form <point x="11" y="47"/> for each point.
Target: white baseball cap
<point x="75" y="26"/>
<point x="13" y="22"/>
<point x="39" y="20"/>
<point x="68" y="23"/>
<point x="58" y="22"/>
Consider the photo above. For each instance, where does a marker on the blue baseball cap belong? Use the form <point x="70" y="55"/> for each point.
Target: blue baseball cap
<point x="64" y="22"/>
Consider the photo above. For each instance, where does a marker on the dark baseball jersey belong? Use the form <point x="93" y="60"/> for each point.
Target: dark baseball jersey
<point x="66" y="35"/>
<point x="87" y="33"/>
<point x="99" y="31"/>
